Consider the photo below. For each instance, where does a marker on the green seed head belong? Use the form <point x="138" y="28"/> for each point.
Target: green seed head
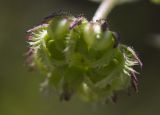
<point x="80" y="57"/>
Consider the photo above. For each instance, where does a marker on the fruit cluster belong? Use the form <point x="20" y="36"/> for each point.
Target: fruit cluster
<point x="81" y="57"/>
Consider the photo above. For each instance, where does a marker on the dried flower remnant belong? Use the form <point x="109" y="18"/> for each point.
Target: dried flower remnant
<point x="82" y="57"/>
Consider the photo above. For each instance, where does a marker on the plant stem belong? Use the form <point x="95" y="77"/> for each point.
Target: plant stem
<point x="104" y="9"/>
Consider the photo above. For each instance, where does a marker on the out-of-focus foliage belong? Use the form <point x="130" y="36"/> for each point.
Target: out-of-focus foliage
<point x="155" y="41"/>
<point x="156" y="1"/>
<point x="119" y="1"/>
<point x="124" y="1"/>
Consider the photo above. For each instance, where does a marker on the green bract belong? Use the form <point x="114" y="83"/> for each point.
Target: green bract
<point x="81" y="57"/>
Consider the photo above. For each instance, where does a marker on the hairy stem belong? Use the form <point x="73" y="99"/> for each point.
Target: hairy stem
<point x="104" y="9"/>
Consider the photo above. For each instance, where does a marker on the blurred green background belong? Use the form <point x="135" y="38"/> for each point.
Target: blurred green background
<point x="19" y="89"/>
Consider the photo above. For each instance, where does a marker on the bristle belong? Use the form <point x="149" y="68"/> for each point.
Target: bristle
<point x="116" y="37"/>
<point x="135" y="56"/>
<point x="55" y="14"/>
<point x="76" y="22"/>
<point x="134" y="82"/>
<point x="29" y="37"/>
<point x="29" y="52"/>
<point x="104" y="25"/>
<point x="35" y="28"/>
